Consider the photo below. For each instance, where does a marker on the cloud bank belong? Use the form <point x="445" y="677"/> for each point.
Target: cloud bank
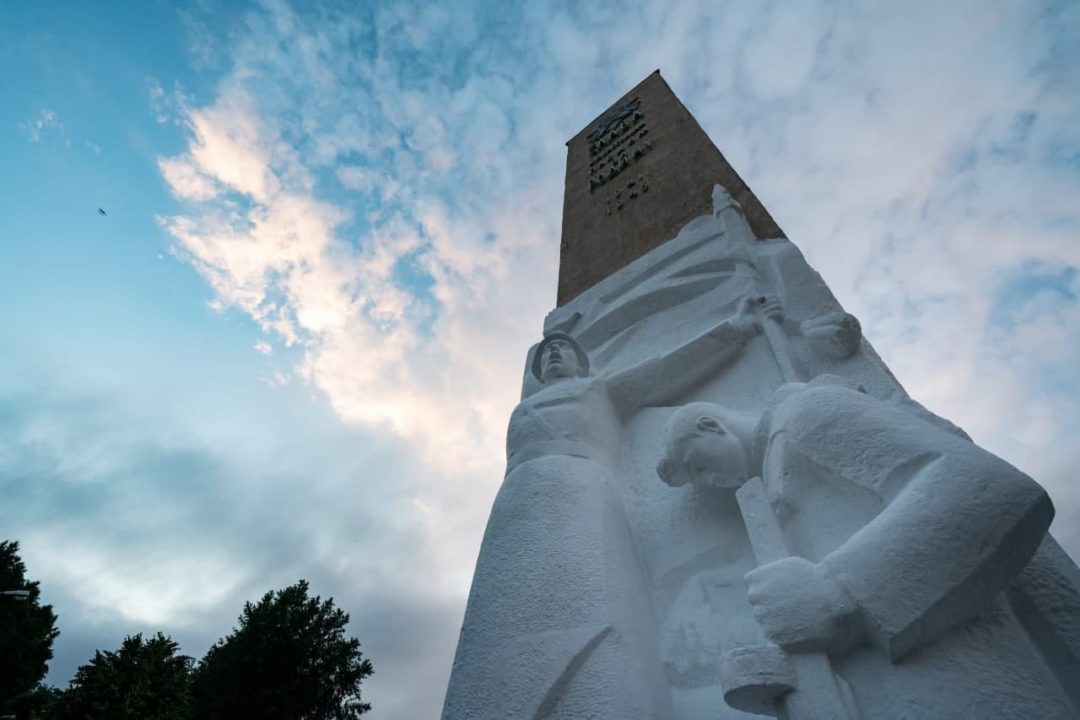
<point x="382" y="191"/>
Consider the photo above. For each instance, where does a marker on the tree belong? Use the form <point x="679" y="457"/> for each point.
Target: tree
<point x="38" y="704"/>
<point x="143" y="680"/>
<point x="27" y="631"/>
<point x="288" y="659"/>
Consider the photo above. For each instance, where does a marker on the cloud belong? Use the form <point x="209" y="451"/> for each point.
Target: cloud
<point x="229" y="147"/>
<point x="781" y="46"/>
<point x="158" y="101"/>
<point x="166" y="107"/>
<point x="46" y="123"/>
<point x="186" y="180"/>
<point x="202" y="46"/>
<point x="358" y="178"/>
<point x="388" y="316"/>
<point x="137" y="519"/>
<point x="61" y="466"/>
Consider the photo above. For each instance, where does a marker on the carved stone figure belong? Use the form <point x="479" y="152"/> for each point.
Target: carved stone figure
<point x="903" y="538"/>
<point x="896" y="570"/>
<point x="558" y="601"/>
<point x="602" y="592"/>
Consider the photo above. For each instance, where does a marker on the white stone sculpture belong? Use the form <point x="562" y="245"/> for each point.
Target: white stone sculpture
<point x="602" y="592"/>
<point x="904" y="538"/>
<point x="834" y="335"/>
<point x="557" y="582"/>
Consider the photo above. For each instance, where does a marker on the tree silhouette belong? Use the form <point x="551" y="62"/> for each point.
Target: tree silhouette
<point x="288" y="659"/>
<point x="143" y="680"/>
<point x="27" y="631"/>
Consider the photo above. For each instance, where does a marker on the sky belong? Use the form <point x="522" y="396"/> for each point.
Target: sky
<point x="290" y="347"/>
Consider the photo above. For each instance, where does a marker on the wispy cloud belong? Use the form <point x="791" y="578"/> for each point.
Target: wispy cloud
<point x="395" y="310"/>
<point x="166" y="107"/>
<point x="201" y="44"/>
<point x="46" y="122"/>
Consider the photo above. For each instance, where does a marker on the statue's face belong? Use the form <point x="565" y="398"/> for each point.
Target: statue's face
<point x="559" y="361"/>
<point x="713" y="456"/>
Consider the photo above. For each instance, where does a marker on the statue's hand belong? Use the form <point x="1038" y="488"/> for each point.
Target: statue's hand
<point x="755" y="309"/>
<point x="769" y="307"/>
<point x="834" y="334"/>
<point x="799" y="607"/>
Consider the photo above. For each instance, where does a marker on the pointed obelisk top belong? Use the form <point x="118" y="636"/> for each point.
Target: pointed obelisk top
<point x="634" y="176"/>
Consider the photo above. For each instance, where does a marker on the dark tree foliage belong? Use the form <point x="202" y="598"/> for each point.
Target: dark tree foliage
<point x="38" y="704"/>
<point x="27" y="631"/>
<point x="288" y="659"/>
<point x="143" y="680"/>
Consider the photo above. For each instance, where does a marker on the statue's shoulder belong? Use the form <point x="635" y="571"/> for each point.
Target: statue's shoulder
<point x="560" y="392"/>
<point x="831" y="410"/>
<point x="827" y="389"/>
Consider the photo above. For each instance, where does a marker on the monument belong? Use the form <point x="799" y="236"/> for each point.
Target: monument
<point x="718" y="501"/>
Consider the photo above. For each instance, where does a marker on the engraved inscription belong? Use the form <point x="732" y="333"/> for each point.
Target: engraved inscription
<point x="615" y="116"/>
<point x="625" y="192"/>
<point x="618" y="140"/>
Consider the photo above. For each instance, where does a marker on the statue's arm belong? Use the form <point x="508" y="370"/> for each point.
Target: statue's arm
<point x="960" y="525"/>
<point x="664" y="378"/>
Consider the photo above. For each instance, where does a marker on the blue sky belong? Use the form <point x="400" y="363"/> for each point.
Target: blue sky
<point x="291" y="346"/>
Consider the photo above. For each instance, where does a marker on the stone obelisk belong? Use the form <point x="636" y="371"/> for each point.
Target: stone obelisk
<point x="720" y="503"/>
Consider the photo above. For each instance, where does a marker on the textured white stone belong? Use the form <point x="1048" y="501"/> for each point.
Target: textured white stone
<point x="718" y="497"/>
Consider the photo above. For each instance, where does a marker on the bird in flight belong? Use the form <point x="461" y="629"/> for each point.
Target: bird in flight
<point x="102" y="212"/>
